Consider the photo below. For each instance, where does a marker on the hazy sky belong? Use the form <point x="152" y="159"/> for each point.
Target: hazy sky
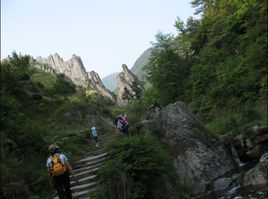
<point x="104" y="33"/>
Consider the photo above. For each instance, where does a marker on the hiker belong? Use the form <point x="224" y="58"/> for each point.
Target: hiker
<point x="59" y="170"/>
<point x="122" y="123"/>
<point x="153" y="109"/>
<point x="95" y="135"/>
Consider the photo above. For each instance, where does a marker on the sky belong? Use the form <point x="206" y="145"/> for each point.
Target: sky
<point x="104" y="33"/>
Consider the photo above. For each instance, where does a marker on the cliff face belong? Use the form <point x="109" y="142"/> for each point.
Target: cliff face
<point x="96" y="84"/>
<point x="75" y="70"/>
<point x="128" y="86"/>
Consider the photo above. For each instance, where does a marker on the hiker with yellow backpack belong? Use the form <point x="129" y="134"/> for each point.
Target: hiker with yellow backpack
<point x="59" y="170"/>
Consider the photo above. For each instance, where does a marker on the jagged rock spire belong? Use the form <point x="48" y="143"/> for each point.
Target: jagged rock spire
<point x="75" y="70"/>
<point x="128" y="86"/>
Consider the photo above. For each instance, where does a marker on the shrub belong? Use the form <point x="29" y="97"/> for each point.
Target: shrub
<point x="136" y="165"/>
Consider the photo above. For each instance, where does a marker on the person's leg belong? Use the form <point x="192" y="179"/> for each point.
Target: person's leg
<point x="66" y="185"/>
<point x="97" y="141"/>
<point x="59" y="187"/>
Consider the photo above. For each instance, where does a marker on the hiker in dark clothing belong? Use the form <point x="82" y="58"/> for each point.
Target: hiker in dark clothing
<point x="59" y="170"/>
<point x="122" y="124"/>
<point x="153" y="109"/>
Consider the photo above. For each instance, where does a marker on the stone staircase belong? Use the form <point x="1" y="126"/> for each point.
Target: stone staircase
<point x="86" y="169"/>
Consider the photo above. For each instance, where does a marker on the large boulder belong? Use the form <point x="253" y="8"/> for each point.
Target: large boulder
<point x="257" y="176"/>
<point x="198" y="157"/>
<point x="253" y="144"/>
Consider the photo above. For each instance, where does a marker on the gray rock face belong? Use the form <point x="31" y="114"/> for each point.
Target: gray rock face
<point x="253" y="145"/>
<point x="96" y="84"/>
<point x="75" y="70"/>
<point x="258" y="174"/>
<point x="221" y="184"/>
<point x="128" y="86"/>
<point x="199" y="159"/>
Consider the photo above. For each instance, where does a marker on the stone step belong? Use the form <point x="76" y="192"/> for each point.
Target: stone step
<point x="86" y="186"/>
<point x="84" y="180"/>
<point x="85" y="173"/>
<point x="98" y="151"/>
<point x="91" y="158"/>
<point x="90" y="163"/>
<point x="81" y="194"/>
<point x="77" y="171"/>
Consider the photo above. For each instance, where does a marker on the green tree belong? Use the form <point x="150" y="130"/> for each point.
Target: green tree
<point x="166" y="69"/>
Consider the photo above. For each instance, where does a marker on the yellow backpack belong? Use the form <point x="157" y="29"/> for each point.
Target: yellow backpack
<point x="57" y="167"/>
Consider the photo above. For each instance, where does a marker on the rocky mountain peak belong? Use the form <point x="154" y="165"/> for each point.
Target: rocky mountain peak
<point x="128" y="86"/>
<point x="75" y="70"/>
<point x="128" y="74"/>
<point x="96" y="84"/>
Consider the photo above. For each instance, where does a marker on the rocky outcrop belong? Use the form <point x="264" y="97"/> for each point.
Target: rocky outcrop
<point x="128" y="86"/>
<point x="199" y="158"/>
<point x="98" y="85"/>
<point x="253" y="144"/>
<point x="75" y="70"/>
<point x="257" y="176"/>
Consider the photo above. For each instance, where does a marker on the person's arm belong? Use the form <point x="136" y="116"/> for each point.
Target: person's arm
<point x="70" y="169"/>
<point x="48" y="166"/>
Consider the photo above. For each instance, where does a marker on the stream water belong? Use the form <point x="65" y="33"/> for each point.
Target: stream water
<point x="236" y="157"/>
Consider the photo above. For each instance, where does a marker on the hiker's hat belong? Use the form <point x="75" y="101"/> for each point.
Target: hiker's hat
<point x="52" y="147"/>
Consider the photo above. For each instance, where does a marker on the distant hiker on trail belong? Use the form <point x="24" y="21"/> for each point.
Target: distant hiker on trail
<point x="95" y="135"/>
<point x="122" y="123"/>
<point x="153" y="109"/>
<point x="59" y="170"/>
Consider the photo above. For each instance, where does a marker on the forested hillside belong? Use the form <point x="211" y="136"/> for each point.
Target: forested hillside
<point x="142" y="60"/>
<point x="217" y="65"/>
<point x="38" y="109"/>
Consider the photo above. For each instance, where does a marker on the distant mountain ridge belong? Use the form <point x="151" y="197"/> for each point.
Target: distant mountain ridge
<point x="127" y="83"/>
<point x="110" y="80"/>
<point x="75" y="70"/>
<point x="137" y="68"/>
